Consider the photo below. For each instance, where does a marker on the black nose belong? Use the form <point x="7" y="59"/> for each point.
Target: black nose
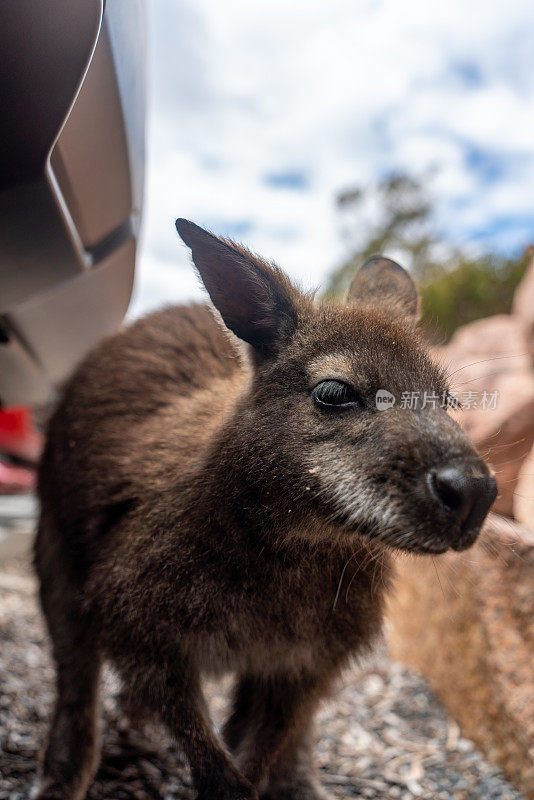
<point x="466" y="491"/>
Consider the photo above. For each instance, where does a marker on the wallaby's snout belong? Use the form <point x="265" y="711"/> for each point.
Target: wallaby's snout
<point x="438" y="490"/>
<point x="466" y="491"/>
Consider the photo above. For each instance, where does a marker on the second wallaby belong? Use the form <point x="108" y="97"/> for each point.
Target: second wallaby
<point x="220" y="492"/>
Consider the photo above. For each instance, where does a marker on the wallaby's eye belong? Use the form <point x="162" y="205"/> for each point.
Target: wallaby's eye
<point x="335" y="395"/>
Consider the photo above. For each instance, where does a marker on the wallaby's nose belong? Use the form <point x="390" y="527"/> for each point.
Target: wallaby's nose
<point x="466" y="493"/>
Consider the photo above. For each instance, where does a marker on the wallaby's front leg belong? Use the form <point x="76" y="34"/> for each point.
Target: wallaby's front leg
<point x="293" y="775"/>
<point x="269" y="730"/>
<point x="72" y="754"/>
<point x="173" y="692"/>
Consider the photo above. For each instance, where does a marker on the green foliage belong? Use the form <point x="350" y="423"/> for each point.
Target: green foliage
<point x="470" y="289"/>
<point x="455" y="288"/>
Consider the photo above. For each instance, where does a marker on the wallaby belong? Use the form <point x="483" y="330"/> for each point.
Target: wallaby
<point x="226" y="498"/>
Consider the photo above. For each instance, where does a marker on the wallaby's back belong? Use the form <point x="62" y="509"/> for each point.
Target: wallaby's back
<point x="100" y="431"/>
<point x="176" y="351"/>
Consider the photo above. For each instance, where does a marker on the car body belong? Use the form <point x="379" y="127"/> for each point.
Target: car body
<point x="72" y="81"/>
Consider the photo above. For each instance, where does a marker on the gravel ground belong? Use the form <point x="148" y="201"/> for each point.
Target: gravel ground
<point x="383" y="735"/>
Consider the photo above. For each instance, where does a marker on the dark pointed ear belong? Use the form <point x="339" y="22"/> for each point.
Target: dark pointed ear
<point x="383" y="282"/>
<point x="255" y="299"/>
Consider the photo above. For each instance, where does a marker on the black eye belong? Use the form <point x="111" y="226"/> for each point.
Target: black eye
<point x="335" y="395"/>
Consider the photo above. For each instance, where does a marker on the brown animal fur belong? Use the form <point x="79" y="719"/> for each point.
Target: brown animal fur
<point x="200" y="513"/>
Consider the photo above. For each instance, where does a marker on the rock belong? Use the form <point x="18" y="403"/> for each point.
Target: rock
<point x="524" y="493"/>
<point x="491" y="373"/>
<point x="523" y="305"/>
<point x="466" y="621"/>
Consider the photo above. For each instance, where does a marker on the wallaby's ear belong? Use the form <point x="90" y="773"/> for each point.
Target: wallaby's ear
<point x="255" y="299"/>
<point x="381" y="281"/>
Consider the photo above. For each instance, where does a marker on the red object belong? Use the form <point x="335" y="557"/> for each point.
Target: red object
<point x="18" y="435"/>
<point x="20" y="441"/>
<point x="16" y="480"/>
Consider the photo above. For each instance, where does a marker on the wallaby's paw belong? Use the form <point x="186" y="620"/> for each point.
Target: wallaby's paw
<point x="229" y="794"/>
<point x="299" y="790"/>
<point x="298" y="793"/>
<point x="237" y="791"/>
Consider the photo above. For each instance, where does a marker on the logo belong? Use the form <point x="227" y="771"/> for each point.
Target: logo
<point x="384" y="400"/>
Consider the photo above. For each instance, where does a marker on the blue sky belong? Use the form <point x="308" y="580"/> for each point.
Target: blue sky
<point x="259" y="113"/>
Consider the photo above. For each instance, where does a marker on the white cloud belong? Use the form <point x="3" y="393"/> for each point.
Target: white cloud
<point x="338" y="92"/>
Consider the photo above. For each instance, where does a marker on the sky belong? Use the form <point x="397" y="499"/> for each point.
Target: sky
<point x="260" y="113"/>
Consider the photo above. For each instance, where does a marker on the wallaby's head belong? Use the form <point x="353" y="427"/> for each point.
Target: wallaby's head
<point x="313" y="437"/>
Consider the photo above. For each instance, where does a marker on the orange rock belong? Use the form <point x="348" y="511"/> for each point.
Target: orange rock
<point x="466" y="621"/>
<point x="524" y="493"/>
<point x="489" y="359"/>
<point x="523" y="305"/>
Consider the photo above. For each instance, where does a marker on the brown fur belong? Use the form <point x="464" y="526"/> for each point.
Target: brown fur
<point x="200" y="514"/>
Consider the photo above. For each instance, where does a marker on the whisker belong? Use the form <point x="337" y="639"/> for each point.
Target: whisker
<point x="495" y="553"/>
<point x="510" y="480"/>
<point x="471" y="581"/>
<point x="484" y="361"/>
<point x="506" y="444"/>
<point x="341" y="581"/>
<point x="492" y="436"/>
<point x="437" y="576"/>
<point x="513" y="460"/>
<point x="458" y="385"/>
